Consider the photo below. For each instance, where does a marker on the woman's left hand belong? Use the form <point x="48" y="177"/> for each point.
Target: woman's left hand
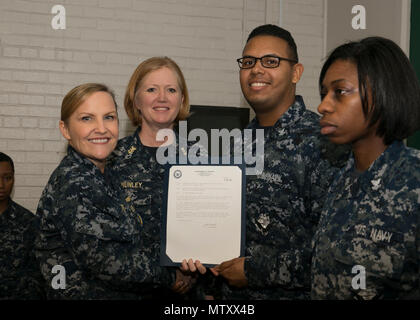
<point x="193" y="266"/>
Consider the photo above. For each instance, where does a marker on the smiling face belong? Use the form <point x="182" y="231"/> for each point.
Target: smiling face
<point x="268" y="89"/>
<point x="159" y="99"/>
<point x="6" y="180"/>
<point x="343" y="119"/>
<point x="92" y="129"/>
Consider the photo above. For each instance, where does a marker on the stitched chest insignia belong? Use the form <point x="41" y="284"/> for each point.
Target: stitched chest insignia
<point x="264" y="220"/>
<point x="375" y="184"/>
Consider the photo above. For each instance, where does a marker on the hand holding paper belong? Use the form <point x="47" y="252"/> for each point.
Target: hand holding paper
<point x="233" y="271"/>
<point x="193" y="266"/>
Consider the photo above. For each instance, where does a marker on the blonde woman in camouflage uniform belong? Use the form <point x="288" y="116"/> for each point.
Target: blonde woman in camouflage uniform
<point x="156" y="98"/>
<point x="85" y="227"/>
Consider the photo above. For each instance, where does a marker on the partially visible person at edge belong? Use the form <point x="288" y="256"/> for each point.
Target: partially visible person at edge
<point x="156" y="98"/>
<point x="367" y="245"/>
<point x="85" y="226"/>
<point x="20" y="278"/>
<point x="284" y="200"/>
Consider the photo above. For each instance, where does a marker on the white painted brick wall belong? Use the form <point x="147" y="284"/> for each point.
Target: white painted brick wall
<point x="104" y="41"/>
<point x="305" y="20"/>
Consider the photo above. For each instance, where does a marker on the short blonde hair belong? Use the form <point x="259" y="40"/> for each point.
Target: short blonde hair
<point x="76" y="96"/>
<point x="140" y="73"/>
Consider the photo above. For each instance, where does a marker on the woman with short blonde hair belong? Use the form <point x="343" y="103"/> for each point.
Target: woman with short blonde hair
<point x="156" y="98"/>
<point x="142" y="70"/>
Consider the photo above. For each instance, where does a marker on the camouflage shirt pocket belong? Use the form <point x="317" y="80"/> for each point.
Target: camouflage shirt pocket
<point x="381" y="251"/>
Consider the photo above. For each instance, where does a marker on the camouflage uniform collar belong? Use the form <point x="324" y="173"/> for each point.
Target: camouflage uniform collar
<point x="136" y="138"/>
<point x="127" y="147"/>
<point x="378" y="175"/>
<point x="293" y="114"/>
<point x="82" y="160"/>
<point x="10" y="213"/>
<point x="137" y="142"/>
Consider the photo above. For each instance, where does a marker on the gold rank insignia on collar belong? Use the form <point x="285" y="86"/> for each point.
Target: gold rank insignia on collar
<point x="131" y="150"/>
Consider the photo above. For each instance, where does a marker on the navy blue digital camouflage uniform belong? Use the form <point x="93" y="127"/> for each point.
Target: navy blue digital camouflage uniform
<point x="86" y="227"/>
<point x="141" y="177"/>
<point x="20" y="277"/>
<point x="371" y="220"/>
<point x="283" y="205"/>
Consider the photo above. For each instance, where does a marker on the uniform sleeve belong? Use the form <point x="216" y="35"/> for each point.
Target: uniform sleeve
<point x="321" y="177"/>
<point x="106" y="243"/>
<point x="322" y="173"/>
<point x="32" y="280"/>
<point x="417" y="294"/>
<point x="269" y="268"/>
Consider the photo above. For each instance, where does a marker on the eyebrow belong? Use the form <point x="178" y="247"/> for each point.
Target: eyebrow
<point x="333" y="82"/>
<point x="165" y="85"/>
<point x="264" y="55"/>
<point x="84" y="114"/>
<point x="338" y="80"/>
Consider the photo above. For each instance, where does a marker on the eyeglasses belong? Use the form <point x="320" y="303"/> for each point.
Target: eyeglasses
<point x="267" y="61"/>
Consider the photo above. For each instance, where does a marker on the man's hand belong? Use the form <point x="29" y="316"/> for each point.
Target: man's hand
<point x="233" y="271"/>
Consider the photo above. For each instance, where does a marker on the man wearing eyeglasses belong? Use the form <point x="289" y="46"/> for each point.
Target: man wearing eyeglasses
<point x="284" y="201"/>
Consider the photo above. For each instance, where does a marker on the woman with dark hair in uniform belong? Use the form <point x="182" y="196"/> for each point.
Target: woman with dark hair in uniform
<point x="20" y="278"/>
<point x="367" y="245"/>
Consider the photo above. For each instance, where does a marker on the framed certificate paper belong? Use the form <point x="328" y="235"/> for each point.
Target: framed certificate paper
<point x="203" y="214"/>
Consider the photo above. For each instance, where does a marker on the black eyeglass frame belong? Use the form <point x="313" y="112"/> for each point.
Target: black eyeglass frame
<point x="239" y="60"/>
